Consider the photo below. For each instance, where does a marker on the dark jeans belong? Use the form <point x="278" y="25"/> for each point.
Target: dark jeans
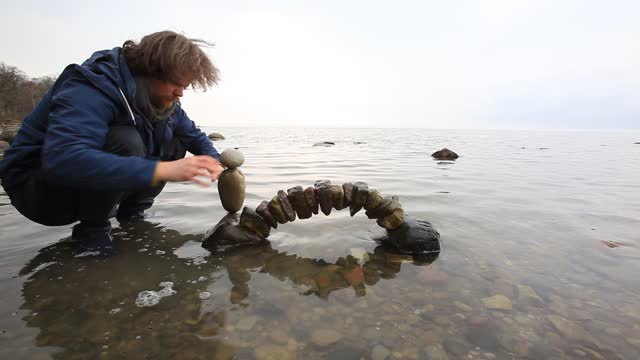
<point x="53" y="205"/>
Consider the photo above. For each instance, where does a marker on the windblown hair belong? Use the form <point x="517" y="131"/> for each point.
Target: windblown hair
<point x="167" y="55"/>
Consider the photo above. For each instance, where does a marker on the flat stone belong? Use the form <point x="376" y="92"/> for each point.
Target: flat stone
<point x="528" y="296"/>
<point x="231" y="188"/>
<point x="325" y="337"/>
<point x="380" y="352"/>
<point x="263" y="210"/>
<point x="360" y="195"/>
<point x="311" y="199"/>
<point x="232" y="158"/>
<point x="393" y="220"/>
<point x="274" y="352"/>
<point x="247" y="323"/>
<point x="250" y="220"/>
<point x="298" y="202"/>
<point x="569" y="329"/>
<point x="275" y="208"/>
<point x="286" y="205"/>
<point x="434" y="352"/>
<point x="498" y="302"/>
<point x="337" y="197"/>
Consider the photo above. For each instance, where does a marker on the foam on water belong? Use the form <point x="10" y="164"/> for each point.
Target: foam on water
<point x="151" y="298"/>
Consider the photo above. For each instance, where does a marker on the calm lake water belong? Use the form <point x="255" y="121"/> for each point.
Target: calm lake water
<point x="525" y="271"/>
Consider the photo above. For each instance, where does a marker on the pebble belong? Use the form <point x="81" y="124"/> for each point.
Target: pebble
<point x="434" y="352"/>
<point x="325" y="337"/>
<point x="380" y="352"/>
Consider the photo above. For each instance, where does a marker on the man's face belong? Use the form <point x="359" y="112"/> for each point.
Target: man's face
<point x="164" y="93"/>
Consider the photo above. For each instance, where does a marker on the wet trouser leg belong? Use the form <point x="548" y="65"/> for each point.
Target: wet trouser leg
<point x="52" y="204"/>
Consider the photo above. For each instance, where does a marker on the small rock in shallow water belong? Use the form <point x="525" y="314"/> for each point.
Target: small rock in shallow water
<point x="324" y="143"/>
<point x="444" y="154"/>
<point x="380" y="352"/>
<point x="433" y="352"/>
<point x="216" y="136"/>
<point x="498" y="302"/>
<point x="325" y="337"/>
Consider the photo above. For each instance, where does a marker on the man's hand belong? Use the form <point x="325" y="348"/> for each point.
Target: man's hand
<point x="188" y="169"/>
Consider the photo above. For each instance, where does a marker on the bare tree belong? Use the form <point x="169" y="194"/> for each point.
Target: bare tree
<point x="19" y="94"/>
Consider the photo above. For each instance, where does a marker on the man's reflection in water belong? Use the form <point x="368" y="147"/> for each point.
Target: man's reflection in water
<point x="85" y="307"/>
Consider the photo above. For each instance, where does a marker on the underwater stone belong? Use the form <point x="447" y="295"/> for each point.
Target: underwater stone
<point x="286" y="205"/>
<point x="275" y="208"/>
<point x="231" y="188"/>
<point x="393" y="220"/>
<point x="231" y="158"/>
<point x="337" y="197"/>
<point x="299" y="203"/>
<point x="374" y="199"/>
<point x="253" y="222"/>
<point x="263" y="210"/>
<point x="310" y="197"/>
<point x="360" y="195"/>
<point x="388" y="205"/>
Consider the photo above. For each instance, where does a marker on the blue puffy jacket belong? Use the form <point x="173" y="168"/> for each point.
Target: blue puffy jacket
<point x="67" y="130"/>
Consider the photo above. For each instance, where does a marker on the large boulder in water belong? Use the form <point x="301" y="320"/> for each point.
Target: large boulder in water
<point x="444" y="154"/>
<point x="228" y="235"/>
<point x="414" y="236"/>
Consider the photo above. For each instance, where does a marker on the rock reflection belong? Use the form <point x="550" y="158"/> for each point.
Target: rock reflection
<point x="85" y="307"/>
<point x="316" y="277"/>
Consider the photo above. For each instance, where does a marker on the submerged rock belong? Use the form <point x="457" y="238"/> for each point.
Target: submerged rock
<point x="227" y="235"/>
<point x="414" y="236"/>
<point x="444" y="154"/>
<point x="324" y="143"/>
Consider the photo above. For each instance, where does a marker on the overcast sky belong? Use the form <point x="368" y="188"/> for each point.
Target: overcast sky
<point x="418" y="64"/>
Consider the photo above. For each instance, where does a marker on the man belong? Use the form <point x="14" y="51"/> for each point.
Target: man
<point x="108" y="136"/>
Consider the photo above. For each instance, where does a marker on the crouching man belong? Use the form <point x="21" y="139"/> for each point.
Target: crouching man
<point x="107" y="137"/>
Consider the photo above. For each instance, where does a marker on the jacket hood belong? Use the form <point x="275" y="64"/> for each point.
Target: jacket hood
<point x="106" y="68"/>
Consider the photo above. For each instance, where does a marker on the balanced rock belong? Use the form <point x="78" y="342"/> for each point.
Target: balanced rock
<point x="276" y="210"/>
<point x="337" y="197"/>
<point x="231" y="158"/>
<point x="216" y="136"/>
<point x="299" y="203"/>
<point x="393" y="220"/>
<point x="263" y="210"/>
<point x="444" y="154"/>
<point x="312" y="200"/>
<point x="360" y="195"/>
<point x="347" y="189"/>
<point x="388" y="205"/>
<point x="325" y="196"/>
<point x="286" y="205"/>
<point x="374" y="200"/>
<point x="250" y="220"/>
<point x="227" y="235"/>
<point x="231" y="188"/>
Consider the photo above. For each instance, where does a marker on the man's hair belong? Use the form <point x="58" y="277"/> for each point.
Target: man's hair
<point x="167" y="55"/>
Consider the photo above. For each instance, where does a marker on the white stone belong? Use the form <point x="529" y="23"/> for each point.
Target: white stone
<point x="231" y="158"/>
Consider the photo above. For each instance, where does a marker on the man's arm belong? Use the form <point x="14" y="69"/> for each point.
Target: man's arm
<point x="73" y="152"/>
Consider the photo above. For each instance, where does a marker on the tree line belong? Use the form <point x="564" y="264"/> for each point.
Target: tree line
<point x="19" y="93"/>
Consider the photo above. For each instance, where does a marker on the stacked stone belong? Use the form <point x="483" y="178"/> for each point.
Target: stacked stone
<point x="231" y="184"/>
<point x="323" y="196"/>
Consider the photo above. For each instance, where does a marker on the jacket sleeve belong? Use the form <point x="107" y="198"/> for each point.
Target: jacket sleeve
<point x="73" y="152"/>
<point x="196" y="141"/>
